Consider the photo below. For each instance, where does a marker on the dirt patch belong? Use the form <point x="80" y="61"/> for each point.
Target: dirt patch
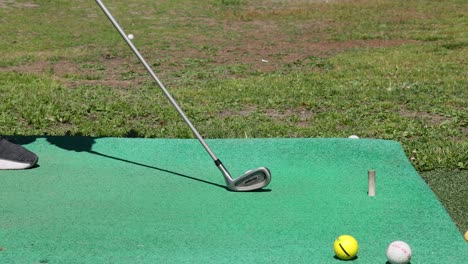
<point x="265" y="57"/>
<point x="15" y="4"/>
<point x="107" y="72"/>
<point x="433" y="119"/>
<point x="256" y="46"/>
<point x="266" y="46"/>
<point x="300" y="116"/>
<point x="257" y="54"/>
<point x="243" y="112"/>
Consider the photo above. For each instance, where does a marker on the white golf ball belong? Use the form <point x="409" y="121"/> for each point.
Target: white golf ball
<point x="398" y="252"/>
<point x="353" y="137"/>
<point x="130" y="36"/>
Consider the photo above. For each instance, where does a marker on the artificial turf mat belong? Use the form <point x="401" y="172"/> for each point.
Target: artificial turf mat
<point x="118" y="200"/>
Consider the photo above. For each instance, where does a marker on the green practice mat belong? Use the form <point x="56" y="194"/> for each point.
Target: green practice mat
<point x="119" y="200"/>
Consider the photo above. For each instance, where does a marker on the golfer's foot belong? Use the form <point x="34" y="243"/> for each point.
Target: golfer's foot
<point x="15" y="157"/>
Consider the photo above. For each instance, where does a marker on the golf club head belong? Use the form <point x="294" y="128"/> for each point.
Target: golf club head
<point x="251" y="180"/>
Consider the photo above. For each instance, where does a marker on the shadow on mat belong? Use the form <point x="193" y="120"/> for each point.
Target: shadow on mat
<point x="85" y="144"/>
<point x="344" y="260"/>
<point x="159" y="169"/>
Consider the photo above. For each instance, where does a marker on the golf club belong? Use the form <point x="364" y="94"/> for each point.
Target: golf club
<point x="250" y="180"/>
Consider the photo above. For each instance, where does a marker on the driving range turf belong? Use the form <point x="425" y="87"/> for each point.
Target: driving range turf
<point x="393" y="70"/>
<point x="120" y="200"/>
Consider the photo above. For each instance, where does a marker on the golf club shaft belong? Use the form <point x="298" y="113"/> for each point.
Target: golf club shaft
<point x="163" y="88"/>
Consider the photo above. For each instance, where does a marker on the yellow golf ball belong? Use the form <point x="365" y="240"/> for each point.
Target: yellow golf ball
<point x="346" y="247"/>
<point x="466" y="236"/>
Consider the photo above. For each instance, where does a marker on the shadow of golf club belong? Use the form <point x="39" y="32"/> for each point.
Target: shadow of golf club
<point x="156" y="168"/>
<point x="171" y="172"/>
<point x="85" y="144"/>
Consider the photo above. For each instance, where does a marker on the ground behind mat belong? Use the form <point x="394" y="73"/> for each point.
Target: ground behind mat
<point x="118" y="200"/>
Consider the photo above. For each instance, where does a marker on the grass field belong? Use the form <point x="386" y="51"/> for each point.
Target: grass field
<point x="383" y="69"/>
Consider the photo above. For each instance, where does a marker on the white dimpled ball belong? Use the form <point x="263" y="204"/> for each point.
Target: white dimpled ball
<point x="353" y="137"/>
<point x="398" y="252"/>
<point x="130" y="36"/>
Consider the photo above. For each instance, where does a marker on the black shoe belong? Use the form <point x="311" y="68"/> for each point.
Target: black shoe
<point x="15" y="157"/>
